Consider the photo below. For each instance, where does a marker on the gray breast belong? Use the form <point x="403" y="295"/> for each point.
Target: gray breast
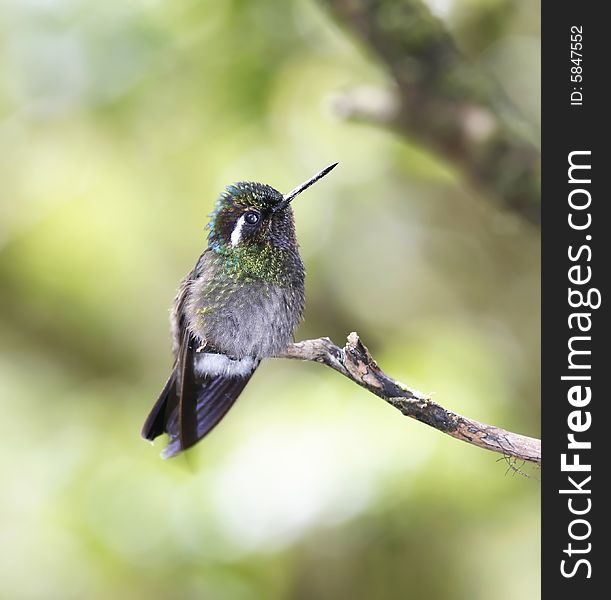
<point x="255" y="319"/>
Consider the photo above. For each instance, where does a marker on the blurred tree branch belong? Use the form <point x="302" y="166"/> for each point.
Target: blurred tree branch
<point x="356" y="363"/>
<point x="444" y="101"/>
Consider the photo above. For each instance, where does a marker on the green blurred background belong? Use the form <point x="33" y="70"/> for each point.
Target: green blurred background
<point x="120" y="122"/>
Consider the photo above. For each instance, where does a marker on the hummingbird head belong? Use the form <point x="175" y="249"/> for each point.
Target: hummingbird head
<point x="250" y="214"/>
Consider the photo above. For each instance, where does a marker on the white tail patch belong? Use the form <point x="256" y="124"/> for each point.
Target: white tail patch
<point x="236" y="234"/>
<point x="219" y="364"/>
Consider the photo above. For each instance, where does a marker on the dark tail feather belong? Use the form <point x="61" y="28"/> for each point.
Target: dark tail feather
<point x="203" y="411"/>
<point x="201" y="407"/>
<point x="168" y="400"/>
<point x="180" y="383"/>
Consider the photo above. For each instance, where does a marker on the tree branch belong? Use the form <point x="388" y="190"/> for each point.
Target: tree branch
<point x="445" y="101"/>
<point x="356" y="363"/>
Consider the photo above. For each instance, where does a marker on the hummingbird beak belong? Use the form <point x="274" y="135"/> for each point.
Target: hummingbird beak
<point x="287" y="198"/>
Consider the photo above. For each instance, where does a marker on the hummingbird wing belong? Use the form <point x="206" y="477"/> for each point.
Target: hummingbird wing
<point x="154" y="425"/>
<point x="168" y="400"/>
<point x="192" y="403"/>
<point x="198" y="413"/>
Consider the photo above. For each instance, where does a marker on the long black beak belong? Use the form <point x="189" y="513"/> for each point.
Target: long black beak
<point x="304" y="186"/>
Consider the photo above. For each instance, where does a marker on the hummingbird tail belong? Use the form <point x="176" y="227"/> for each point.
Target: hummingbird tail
<point x="188" y="416"/>
<point x="155" y="423"/>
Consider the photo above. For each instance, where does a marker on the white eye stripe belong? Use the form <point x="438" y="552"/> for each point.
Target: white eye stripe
<point x="236" y="234"/>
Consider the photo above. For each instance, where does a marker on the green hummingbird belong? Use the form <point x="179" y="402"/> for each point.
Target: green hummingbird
<point x="240" y="304"/>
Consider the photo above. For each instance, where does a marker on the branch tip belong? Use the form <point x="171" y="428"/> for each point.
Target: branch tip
<point x="355" y="362"/>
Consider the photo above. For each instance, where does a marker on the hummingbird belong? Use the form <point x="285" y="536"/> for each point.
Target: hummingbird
<point x="241" y="303"/>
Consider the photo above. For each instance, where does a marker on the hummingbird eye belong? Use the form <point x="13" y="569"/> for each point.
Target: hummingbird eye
<point x="252" y="217"/>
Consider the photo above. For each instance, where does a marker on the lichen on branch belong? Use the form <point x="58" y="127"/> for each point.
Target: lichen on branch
<point x="356" y="363"/>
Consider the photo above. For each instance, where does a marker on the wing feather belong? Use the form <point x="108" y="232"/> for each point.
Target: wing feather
<point x="190" y="405"/>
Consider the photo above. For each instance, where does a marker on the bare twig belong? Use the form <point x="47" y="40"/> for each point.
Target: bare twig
<point x="356" y="363"/>
<point x="445" y="101"/>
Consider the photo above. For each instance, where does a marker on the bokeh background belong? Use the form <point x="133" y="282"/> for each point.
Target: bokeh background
<point x="120" y="122"/>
